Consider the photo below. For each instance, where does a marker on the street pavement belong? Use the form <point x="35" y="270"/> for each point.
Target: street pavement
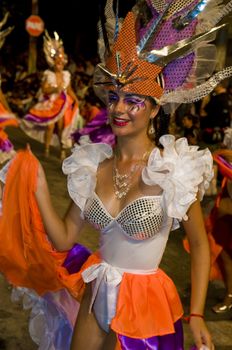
<point x="176" y="263"/>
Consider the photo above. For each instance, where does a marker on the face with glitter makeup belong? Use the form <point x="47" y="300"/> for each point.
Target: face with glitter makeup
<point x="129" y="113"/>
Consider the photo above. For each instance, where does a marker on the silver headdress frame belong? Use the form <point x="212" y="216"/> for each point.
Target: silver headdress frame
<point x="178" y="38"/>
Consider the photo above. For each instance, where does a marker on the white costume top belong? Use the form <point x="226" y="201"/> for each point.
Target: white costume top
<point x="50" y="77"/>
<point x="135" y="240"/>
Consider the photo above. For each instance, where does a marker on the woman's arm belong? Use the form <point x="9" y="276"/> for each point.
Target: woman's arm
<point x="62" y="233"/>
<point x="200" y="266"/>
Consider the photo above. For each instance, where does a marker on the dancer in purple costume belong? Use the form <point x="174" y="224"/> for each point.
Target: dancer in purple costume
<point x="98" y="130"/>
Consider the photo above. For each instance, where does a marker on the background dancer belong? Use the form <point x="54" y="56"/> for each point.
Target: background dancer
<point x="57" y="109"/>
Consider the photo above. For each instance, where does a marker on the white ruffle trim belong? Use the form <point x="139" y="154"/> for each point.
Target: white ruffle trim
<point x="4" y="156"/>
<point x="3" y="171"/>
<point x="181" y="171"/>
<point x="50" y="76"/>
<point x="81" y="168"/>
<point x="52" y="317"/>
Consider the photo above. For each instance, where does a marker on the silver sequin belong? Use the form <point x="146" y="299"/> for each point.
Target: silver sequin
<point x="141" y="219"/>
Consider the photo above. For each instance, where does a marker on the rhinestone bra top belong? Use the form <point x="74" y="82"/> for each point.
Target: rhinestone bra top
<point x="141" y="219"/>
<point x="181" y="171"/>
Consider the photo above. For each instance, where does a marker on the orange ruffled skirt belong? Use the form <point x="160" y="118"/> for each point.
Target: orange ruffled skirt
<point x="147" y="305"/>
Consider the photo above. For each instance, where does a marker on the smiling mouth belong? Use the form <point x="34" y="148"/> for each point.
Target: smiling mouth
<point x="120" y="121"/>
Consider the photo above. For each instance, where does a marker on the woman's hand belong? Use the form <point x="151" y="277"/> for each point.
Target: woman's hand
<point x="201" y="334"/>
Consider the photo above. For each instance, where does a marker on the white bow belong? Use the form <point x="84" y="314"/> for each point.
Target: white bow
<point x="103" y="272"/>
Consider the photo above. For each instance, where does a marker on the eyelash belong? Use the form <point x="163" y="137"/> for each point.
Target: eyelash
<point x="129" y="100"/>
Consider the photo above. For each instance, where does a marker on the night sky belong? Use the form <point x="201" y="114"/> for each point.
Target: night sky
<point x="74" y="20"/>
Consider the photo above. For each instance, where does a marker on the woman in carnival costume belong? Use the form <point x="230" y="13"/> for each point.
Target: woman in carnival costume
<point x="58" y="105"/>
<point x="7" y="118"/>
<point x="219" y="224"/>
<point x="97" y="130"/>
<point x="134" y="194"/>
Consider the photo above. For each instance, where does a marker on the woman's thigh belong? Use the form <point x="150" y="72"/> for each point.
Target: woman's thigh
<point x="110" y="341"/>
<point x="87" y="333"/>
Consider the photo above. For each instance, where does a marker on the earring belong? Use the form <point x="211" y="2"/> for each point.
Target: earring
<point x="151" y="130"/>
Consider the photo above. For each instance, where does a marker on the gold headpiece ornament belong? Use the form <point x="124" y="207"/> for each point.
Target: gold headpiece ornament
<point x="53" y="48"/>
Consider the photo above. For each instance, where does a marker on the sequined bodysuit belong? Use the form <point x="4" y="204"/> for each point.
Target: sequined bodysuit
<point x="132" y="243"/>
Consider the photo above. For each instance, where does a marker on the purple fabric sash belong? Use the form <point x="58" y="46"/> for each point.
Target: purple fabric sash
<point x="98" y="130"/>
<point x="174" y="341"/>
<point x="76" y="258"/>
<point x="6" y="146"/>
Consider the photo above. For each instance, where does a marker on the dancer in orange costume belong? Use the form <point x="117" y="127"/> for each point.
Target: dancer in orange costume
<point x="57" y="104"/>
<point x="136" y="193"/>
<point x="7" y="118"/>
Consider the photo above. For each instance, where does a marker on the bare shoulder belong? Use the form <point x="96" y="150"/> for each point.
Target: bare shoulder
<point x="105" y="165"/>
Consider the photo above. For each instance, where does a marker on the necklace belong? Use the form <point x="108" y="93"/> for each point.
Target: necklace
<point x="122" y="182"/>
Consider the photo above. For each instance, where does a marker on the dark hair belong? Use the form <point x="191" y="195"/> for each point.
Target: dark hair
<point x="161" y="126"/>
<point x="193" y="118"/>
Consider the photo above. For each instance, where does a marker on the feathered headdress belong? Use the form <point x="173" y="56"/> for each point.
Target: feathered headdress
<point x="161" y="49"/>
<point x="5" y="32"/>
<point x="53" y="48"/>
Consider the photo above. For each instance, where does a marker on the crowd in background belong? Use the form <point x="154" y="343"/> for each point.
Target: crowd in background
<point x="21" y="89"/>
<point x="203" y="121"/>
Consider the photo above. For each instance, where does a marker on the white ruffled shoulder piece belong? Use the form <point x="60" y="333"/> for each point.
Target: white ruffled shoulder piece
<point x="50" y="77"/>
<point x="182" y="171"/>
<point x="81" y="168"/>
<point x="4" y="170"/>
<point x="66" y="78"/>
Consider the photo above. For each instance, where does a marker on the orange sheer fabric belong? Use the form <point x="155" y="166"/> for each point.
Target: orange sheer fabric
<point x="27" y="258"/>
<point x="147" y="305"/>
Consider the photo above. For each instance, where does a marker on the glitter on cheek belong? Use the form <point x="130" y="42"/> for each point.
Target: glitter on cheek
<point x="137" y="107"/>
<point x="129" y="104"/>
